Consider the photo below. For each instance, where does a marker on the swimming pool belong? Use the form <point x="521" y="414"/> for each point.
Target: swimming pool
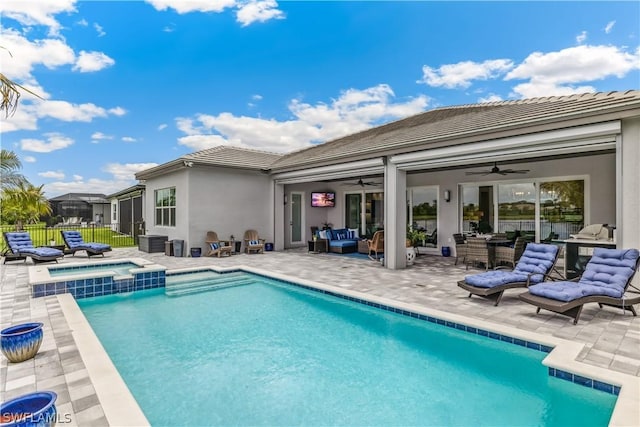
<point x="271" y="353"/>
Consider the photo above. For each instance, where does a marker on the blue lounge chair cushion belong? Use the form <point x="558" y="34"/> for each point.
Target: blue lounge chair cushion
<point x="75" y="241"/>
<point x="20" y="243"/>
<point x="536" y="261"/>
<point x="607" y="273"/>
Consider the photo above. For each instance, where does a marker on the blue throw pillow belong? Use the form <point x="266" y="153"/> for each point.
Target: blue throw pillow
<point x="214" y="246"/>
<point x="253" y="242"/>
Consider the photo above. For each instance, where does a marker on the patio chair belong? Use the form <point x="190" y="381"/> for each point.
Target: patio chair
<point x="461" y="247"/>
<point x="606" y="280"/>
<point x="534" y="266"/>
<point x="75" y="243"/>
<point x="21" y="246"/>
<point x="375" y="245"/>
<point x="253" y="242"/>
<point x="432" y="238"/>
<point x="510" y="255"/>
<point x="477" y="252"/>
<point x="215" y="246"/>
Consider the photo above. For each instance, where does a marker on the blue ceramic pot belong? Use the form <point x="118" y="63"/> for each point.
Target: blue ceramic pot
<point x="21" y="342"/>
<point x="30" y="410"/>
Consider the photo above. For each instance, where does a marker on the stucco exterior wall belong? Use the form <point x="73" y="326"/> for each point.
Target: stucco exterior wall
<point x="629" y="192"/>
<point x="178" y="180"/>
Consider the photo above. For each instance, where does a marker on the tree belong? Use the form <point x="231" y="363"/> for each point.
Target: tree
<point x="9" y="166"/>
<point x="24" y="204"/>
<point x="10" y="93"/>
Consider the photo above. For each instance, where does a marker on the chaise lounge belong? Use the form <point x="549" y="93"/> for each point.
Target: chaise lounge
<point x="75" y="243"/>
<point x="606" y="279"/>
<point x="534" y="266"/>
<point x="21" y="246"/>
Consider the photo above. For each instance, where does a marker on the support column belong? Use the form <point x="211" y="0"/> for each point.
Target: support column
<point x="395" y="217"/>
<point x="278" y="216"/>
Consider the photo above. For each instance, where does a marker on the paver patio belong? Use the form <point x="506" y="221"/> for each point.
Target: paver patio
<point x="611" y="338"/>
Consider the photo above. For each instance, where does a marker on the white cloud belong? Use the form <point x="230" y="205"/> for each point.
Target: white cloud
<point x="258" y="11"/>
<point x="54" y="142"/>
<point x="51" y="174"/>
<point x="462" y="74"/>
<point x="100" y="136"/>
<point x="93" y="185"/>
<point x="490" y="98"/>
<point x="126" y="171"/>
<point x="580" y="38"/>
<point x="256" y="97"/>
<point x="92" y="61"/>
<point x="565" y="71"/>
<point x="117" y="111"/>
<point x="29" y="159"/>
<point x="99" y="30"/>
<point x="353" y="111"/>
<point x="83" y="23"/>
<point x="32" y="13"/>
<point x="162" y="126"/>
<point x="128" y="139"/>
<point x="77" y="177"/>
<point x="609" y="26"/>
<point x="68" y="112"/>
<point x="182" y="6"/>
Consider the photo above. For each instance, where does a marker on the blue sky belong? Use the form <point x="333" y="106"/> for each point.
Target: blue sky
<point x="127" y="85"/>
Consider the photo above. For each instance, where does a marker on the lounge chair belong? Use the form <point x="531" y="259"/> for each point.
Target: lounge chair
<point x="75" y="243"/>
<point x="253" y="242"/>
<point x="606" y="280"/>
<point x="216" y="247"/>
<point x="21" y="246"/>
<point x="534" y="266"/>
<point x="376" y="244"/>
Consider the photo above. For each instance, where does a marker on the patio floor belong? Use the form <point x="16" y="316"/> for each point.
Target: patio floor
<point x="611" y="339"/>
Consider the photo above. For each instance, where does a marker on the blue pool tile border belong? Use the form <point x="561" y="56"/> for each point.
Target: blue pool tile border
<point x="557" y="373"/>
<point x="100" y="286"/>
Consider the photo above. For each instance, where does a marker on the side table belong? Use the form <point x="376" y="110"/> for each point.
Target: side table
<point x="363" y="246"/>
<point x="317" y="246"/>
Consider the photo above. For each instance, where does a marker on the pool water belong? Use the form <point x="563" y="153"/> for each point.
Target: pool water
<point x="274" y="354"/>
<point x="121" y="269"/>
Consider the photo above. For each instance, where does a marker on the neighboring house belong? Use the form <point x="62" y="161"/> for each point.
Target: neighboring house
<point x="81" y="208"/>
<point x="223" y="189"/>
<point x="127" y="210"/>
<point x="573" y="157"/>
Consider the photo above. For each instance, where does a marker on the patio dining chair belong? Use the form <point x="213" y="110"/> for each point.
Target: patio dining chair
<point x="510" y="255"/>
<point x="477" y="252"/>
<point x="461" y="247"/>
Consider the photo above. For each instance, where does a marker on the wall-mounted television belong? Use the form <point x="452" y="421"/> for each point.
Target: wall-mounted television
<point x="323" y="199"/>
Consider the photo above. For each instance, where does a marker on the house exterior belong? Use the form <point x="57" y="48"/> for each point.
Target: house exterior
<point x="127" y="210"/>
<point x="544" y="166"/>
<point x="222" y="189"/>
<point x="79" y="208"/>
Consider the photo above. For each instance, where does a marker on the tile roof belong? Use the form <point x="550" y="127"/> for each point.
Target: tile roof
<point x="222" y="155"/>
<point x="233" y="157"/>
<point x="448" y="124"/>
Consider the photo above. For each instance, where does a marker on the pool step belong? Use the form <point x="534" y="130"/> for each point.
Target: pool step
<point x="204" y="285"/>
<point x="201" y="276"/>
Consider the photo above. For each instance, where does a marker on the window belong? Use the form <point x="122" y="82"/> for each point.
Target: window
<point x="544" y="210"/>
<point x="166" y="207"/>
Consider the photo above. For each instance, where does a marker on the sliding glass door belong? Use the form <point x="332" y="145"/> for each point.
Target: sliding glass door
<point x="540" y="210"/>
<point x="374" y="212"/>
<point x="353" y="211"/>
<point x="422" y="213"/>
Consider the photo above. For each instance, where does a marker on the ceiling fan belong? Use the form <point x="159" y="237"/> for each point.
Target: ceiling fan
<point x="495" y="169"/>
<point x="361" y="183"/>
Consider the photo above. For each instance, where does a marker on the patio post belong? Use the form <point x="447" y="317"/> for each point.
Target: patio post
<point x="395" y="217"/>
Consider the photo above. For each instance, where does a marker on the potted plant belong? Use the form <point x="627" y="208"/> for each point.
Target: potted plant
<point x="33" y="409"/>
<point x="21" y="342"/>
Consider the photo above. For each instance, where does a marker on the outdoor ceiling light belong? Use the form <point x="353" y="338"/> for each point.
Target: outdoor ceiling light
<point x="447" y="195"/>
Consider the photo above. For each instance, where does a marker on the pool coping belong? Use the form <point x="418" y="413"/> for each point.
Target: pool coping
<point x="39" y="273"/>
<point x="121" y="408"/>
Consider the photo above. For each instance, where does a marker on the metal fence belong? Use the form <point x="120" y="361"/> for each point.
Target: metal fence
<point x="110" y="234"/>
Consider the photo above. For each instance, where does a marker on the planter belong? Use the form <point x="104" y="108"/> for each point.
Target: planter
<point x="21" y="342"/>
<point x="30" y="410"/>
<point x="446" y="251"/>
